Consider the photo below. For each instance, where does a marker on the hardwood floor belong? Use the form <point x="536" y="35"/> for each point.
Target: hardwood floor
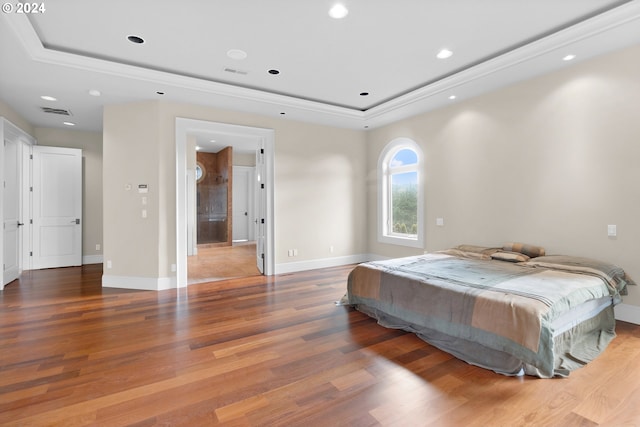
<point x="219" y="263"/>
<point x="265" y="351"/>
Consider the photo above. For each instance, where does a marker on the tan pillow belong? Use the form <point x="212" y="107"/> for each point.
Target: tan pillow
<point x="509" y="256"/>
<point x="476" y="249"/>
<point x="529" y="250"/>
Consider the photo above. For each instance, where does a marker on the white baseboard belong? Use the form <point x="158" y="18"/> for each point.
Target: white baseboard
<point x="627" y="313"/>
<point x="139" y="283"/>
<point x="92" y="259"/>
<point x="313" y="264"/>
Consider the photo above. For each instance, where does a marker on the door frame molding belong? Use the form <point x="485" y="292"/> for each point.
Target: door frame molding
<point x="266" y="140"/>
<point x="8" y="130"/>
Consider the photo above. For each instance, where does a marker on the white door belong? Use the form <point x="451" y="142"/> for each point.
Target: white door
<point x="242" y="209"/>
<point x="192" y="232"/>
<point x="57" y="207"/>
<point x="260" y="209"/>
<point x="11" y="211"/>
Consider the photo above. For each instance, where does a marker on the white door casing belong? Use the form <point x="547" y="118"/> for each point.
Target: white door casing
<point x="263" y="138"/>
<point x="260" y="203"/>
<point x="11" y="218"/>
<point x="192" y="230"/>
<point x="57" y="207"/>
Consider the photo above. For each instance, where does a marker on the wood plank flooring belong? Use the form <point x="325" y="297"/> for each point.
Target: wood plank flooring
<point x="219" y="263"/>
<point x="265" y="351"/>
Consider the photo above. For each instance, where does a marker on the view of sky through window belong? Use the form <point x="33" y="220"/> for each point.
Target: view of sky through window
<point x="402" y="158"/>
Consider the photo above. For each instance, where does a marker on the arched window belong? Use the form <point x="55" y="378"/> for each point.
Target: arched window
<point x="400" y="194"/>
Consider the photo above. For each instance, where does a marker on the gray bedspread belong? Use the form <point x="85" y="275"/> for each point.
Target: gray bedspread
<point x="495" y="314"/>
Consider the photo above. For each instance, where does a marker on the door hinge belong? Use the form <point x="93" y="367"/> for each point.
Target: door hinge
<point x="262" y="186"/>
<point x="262" y="221"/>
<point x="31" y="189"/>
<point x="31" y="221"/>
<point x="262" y="256"/>
<point x="262" y="151"/>
<point x="30" y="253"/>
<point x="30" y="156"/>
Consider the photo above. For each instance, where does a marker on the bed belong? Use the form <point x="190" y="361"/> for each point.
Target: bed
<point x="512" y="309"/>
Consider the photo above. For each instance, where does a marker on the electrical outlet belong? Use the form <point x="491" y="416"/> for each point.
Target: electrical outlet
<point x="109" y="265"/>
<point x="97" y="246"/>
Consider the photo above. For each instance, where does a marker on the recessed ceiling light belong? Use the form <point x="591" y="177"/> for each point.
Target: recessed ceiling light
<point x="197" y="147"/>
<point x="364" y="93"/>
<point x="237" y="54"/>
<point x="444" y="54"/>
<point x="213" y="140"/>
<point x="568" y="57"/>
<point x="94" y="92"/>
<point x="135" y="39"/>
<point x="68" y="123"/>
<point x="274" y="71"/>
<point x="452" y="97"/>
<point x="48" y="98"/>
<point x="338" y="11"/>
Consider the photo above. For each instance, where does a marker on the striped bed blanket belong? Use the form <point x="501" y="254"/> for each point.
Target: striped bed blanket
<point x="499" y="315"/>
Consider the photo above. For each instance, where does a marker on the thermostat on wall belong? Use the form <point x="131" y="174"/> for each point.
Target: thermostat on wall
<point x="143" y="188"/>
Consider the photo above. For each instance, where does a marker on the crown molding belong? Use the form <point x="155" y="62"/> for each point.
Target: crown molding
<point x="34" y="48"/>
<point x="501" y="68"/>
<point x="518" y="64"/>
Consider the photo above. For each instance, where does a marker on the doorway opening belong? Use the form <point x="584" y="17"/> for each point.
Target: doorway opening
<point x="254" y="246"/>
<point x="225" y="243"/>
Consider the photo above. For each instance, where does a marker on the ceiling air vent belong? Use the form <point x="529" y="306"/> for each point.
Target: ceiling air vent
<point x="59" y="111"/>
<point x="235" y="71"/>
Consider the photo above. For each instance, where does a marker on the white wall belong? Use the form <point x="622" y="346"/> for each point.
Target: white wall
<point x="551" y="161"/>
<point x="9" y="113"/>
<point x="319" y="187"/>
<point x="131" y="157"/>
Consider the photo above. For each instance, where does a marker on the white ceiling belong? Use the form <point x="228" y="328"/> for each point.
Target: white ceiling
<point x="387" y="49"/>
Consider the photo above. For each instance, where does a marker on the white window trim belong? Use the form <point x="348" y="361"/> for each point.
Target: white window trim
<point x="385" y="235"/>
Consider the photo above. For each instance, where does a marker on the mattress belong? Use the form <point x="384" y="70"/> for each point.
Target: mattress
<point x="544" y="317"/>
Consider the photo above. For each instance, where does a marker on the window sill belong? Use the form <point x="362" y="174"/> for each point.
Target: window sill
<point x="401" y="241"/>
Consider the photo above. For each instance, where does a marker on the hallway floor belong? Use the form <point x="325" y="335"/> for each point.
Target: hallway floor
<point x="221" y="263"/>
